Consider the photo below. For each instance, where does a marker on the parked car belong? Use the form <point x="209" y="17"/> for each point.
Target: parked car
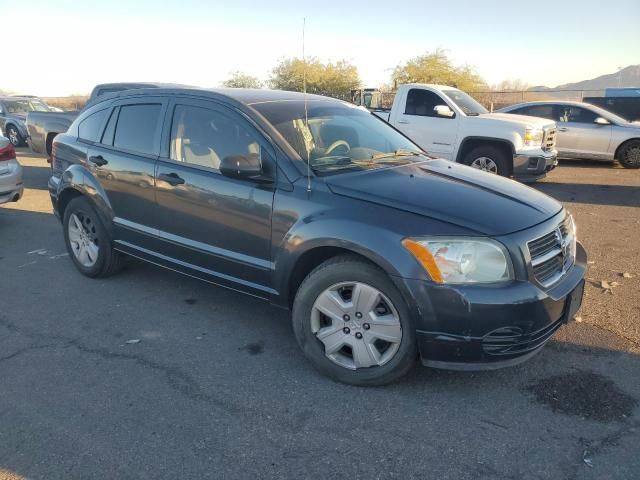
<point x="13" y="112"/>
<point x="379" y="250"/>
<point x="11" y="187"/>
<point x="448" y="123"/>
<point x="587" y="131"/>
<point x="44" y="126"/>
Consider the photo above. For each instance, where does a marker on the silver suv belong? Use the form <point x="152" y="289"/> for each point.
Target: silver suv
<point x="587" y="131"/>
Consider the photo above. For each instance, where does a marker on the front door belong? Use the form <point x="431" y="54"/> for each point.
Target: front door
<point x="578" y="135"/>
<point x="436" y="135"/>
<point x="219" y="227"/>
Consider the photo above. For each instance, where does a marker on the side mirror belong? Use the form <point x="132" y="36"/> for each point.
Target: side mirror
<point x="244" y="167"/>
<point x="443" y="111"/>
<point x="601" y="121"/>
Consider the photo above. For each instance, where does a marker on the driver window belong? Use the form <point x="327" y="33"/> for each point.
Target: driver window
<point x="570" y="113"/>
<point x="422" y="102"/>
<point x="203" y="137"/>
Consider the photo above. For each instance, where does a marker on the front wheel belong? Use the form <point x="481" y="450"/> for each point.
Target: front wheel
<point x="489" y="159"/>
<point x="14" y="136"/>
<point x="630" y="155"/>
<point x="353" y="324"/>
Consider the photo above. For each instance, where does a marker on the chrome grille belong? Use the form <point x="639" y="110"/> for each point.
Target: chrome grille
<point x="549" y="139"/>
<point x="553" y="253"/>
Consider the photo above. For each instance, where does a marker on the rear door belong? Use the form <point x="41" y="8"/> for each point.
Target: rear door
<point x="436" y="135"/>
<point x="578" y="135"/>
<point x="123" y="159"/>
<point x="216" y="226"/>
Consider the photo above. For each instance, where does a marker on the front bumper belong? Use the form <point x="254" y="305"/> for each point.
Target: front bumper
<point x="488" y="327"/>
<point x="11" y="186"/>
<point x="529" y="168"/>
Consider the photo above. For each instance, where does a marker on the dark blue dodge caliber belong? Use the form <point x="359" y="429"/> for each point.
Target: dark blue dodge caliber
<point x="382" y="253"/>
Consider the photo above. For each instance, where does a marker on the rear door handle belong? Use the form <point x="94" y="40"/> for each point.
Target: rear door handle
<point x="404" y="122"/>
<point x="563" y="129"/>
<point x="98" y="160"/>
<point x="171" y="178"/>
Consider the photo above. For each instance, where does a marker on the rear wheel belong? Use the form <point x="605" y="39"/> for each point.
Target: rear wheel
<point x="14" y="136"/>
<point x="489" y="159"/>
<point x="629" y="156"/>
<point x="87" y="241"/>
<point x="352" y="323"/>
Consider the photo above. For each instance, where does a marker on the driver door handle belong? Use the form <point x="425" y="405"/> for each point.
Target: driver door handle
<point x="98" y="160"/>
<point x="171" y="178"/>
<point x="563" y="129"/>
<point x="404" y="122"/>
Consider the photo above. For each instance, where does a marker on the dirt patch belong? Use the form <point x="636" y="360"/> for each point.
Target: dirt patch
<point x="584" y="394"/>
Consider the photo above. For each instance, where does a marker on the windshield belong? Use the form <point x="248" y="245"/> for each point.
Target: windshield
<point x="22" y="106"/>
<point x="465" y="102"/>
<point x="608" y="114"/>
<point x="338" y="137"/>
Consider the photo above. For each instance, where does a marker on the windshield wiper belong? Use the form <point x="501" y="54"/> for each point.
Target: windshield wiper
<point x="401" y="152"/>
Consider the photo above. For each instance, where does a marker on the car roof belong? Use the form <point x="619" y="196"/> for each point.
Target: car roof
<point x="246" y="96"/>
<point x="549" y="102"/>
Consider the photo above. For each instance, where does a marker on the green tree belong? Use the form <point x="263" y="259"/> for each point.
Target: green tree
<point x="242" y="80"/>
<point x="436" y="67"/>
<point x="331" y="79"/>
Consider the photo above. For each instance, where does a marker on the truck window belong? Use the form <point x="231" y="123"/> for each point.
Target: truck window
<point x="201" y="136"/>
<point x="542" y="111"/>
<point x="422" y="102"/>
<point x="89" y="128"/>
<point x="137" y="128"/>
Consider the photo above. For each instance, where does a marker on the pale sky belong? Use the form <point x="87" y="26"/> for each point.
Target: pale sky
<point x="67" y="46"/>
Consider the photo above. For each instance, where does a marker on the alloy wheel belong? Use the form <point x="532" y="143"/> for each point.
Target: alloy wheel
<point x="13" y="136"/>
<point x="83" y="239"/>
<point x="357" y="324"/>
<point x="486" y="164"/>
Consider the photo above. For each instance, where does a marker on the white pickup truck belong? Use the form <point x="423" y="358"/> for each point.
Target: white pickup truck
<point x="448" y="123"/>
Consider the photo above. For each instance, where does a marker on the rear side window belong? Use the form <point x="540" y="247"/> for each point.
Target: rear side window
<point x="107" y="136"/>
<point x="137" y="128"/>
<point x="542" y="111"/>
<point x="422" y="102"/>
<point x="89" y="128"/>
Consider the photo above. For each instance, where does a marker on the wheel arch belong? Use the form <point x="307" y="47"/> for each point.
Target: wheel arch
<point x="624" y="144"/>
<point x="469" y="143"/>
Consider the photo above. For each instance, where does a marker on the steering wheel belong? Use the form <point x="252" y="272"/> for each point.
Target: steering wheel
<point x="336" y="144"/>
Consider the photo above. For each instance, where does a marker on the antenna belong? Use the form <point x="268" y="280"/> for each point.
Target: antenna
<point x="304" y="96"/>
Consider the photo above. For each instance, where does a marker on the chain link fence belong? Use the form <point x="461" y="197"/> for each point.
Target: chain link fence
<point x="494" y="100"/>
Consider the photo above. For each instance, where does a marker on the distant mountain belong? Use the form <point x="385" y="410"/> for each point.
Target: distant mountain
<point x="627" y="77"/>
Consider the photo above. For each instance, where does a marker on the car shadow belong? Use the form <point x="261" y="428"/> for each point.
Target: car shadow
<point x="589" y="193"/>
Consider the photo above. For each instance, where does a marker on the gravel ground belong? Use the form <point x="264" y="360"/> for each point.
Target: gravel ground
<point x="216" y="386"/>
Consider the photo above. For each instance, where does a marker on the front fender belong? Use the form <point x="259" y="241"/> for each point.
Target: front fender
<point x="79" y="179"/>
<point x="379" y="245"/>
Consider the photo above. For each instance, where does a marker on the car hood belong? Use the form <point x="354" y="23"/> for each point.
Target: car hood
<point x="522" y="120"/>
<point x="453" y="193"/>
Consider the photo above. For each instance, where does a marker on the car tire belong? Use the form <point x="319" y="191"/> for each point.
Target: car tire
<point x="14" y="136"/>
<point x="387" y="360"/>
<point x="629" y="156"/>
<point x="99" y="258"/>
<point x="490" y="159"/>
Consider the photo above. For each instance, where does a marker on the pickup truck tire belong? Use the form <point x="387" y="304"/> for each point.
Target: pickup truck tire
<point x="87" y="241"/>
<point x="490" y="159"/>
<point x="629" y="156"/>
<point x="345" y="343"/>
<point x="14" y="136"/>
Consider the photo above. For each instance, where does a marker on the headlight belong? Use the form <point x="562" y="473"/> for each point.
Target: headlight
<point x="533" y="137"/>
<point x="461" y="260"/>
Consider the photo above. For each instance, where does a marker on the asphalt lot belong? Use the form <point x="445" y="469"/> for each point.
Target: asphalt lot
<point x="217" y="388"/>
